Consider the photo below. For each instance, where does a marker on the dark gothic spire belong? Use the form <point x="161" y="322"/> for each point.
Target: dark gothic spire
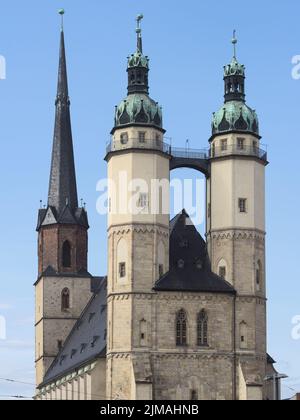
<point x="62" y="188"/>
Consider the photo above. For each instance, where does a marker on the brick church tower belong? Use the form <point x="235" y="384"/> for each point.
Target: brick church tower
<point x="63" y="285"/>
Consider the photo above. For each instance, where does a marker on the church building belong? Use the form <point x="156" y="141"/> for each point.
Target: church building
<point x="176" y="317"/>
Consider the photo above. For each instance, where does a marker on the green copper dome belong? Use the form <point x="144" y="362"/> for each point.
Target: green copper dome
<point x="138" y="60"/>
<point x="138" y="108"/>
<point x="235" y="116"/>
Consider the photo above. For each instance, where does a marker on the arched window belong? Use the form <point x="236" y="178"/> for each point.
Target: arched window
<point x="223" y="269"/>
<point x="181" y="328"/>
<point x="202" y="329"/>
<point x="66" y="257"/>
<point x="65" y="299"/>
<point x="258" y="276"/>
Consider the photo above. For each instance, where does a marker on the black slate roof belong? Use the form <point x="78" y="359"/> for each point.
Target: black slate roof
<point x="62" y="197"/>
<point x="87" y="340"/>
<point x="62" y="187"/>
<point x="190" y="268"/>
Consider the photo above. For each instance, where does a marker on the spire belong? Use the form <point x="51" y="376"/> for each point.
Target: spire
<point x="235" y="115"/>
<point x="139" y="34"/>
<point x="138" y="65"/>
<point x="62" y="13"/>
<point x="62" y="188"/>
<point x="234" y="77"/>
<point x="234" y="42"/>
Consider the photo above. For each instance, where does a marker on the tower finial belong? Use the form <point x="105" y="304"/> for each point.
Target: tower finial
<point x="234" y="42"/>
<point x="139" y="33"/>
<point x="62" y="13"/>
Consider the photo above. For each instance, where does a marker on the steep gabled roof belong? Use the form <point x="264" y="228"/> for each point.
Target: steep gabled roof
<point x="190" y="268"/>
<point x="87" y="340"/>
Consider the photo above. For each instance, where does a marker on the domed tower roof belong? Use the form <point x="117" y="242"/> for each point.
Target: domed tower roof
<point x="235" y="115"/>
<point x="138" y="108"/>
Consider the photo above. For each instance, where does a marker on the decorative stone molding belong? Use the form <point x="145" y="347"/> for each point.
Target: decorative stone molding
<point x="200" y="297"/>
<point x="118" y="297"/>
<point x="250" y="299"/>
<point x="238" y="234"/>
<point x="138" y="228"/>
<point x="195" y="356"/>
<point x="252" y="357"/>
<point x="118" y="355"/>
<point x="175" y="356"/>
<point x="178" y="297"/>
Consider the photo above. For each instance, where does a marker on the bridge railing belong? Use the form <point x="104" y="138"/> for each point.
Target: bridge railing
<point x="134" y="143"/>
<point x="190" y="153"/>
<point x="186" y="153"/>
<point x="235" y="149"/>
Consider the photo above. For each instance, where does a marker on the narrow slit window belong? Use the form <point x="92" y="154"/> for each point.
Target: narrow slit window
<point x="241" y="143"/>
<point x="224" y="145"/>
<point x="243" y="205"/>
<point x="66" y="257"/>
<point x="124" y="138"/>
<point x="122" y="270"/>
<point x="142" y="137"/>
<point x="65" y="299"/>
<point x="143" y="200"/>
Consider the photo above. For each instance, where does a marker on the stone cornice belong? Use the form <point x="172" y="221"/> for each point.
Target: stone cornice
<point x="138" y="228"/>
<point x="175" y="355"/>
<point x="251" y="298"/>
<point x="238" y="233"/>
<point x="178" y="296"/>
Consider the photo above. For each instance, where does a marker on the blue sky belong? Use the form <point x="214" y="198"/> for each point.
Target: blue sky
<point x="188" y="43"/>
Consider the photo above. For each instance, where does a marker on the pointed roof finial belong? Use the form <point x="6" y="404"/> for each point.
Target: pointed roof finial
<point x="234" y="42"/>
<point x="139" y="33"/>
<point x="62" y="12"/>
